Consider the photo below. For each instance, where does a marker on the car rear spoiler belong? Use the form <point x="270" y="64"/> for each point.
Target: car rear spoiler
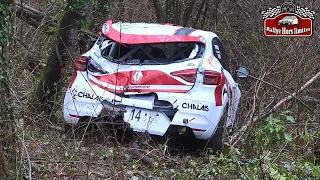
<point x="120" y="37"/>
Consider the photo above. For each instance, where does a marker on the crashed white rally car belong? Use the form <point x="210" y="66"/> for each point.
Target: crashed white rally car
<point x="156" y="77"/>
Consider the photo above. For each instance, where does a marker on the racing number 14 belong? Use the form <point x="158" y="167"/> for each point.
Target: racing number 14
<point x="137" y="116"/>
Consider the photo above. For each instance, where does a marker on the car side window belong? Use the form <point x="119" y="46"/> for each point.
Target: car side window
<point x="219" y="53"/>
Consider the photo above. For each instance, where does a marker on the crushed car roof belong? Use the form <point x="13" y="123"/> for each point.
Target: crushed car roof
<point x="143" y="33"/>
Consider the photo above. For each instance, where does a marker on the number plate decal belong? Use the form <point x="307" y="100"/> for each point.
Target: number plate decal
<point x="142" y="120"/>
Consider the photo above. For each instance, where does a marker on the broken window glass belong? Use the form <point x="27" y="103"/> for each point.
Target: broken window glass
<point x="160" y="53"/>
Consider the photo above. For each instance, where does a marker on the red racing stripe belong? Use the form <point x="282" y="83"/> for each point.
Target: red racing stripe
<point x="150" y="77"/>
<point x="146" y="39"/>
<point x="218" y="91"/>
<point x="137" y="90"/>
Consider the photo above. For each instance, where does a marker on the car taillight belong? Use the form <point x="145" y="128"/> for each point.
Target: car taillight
<point x="80" y="63"/>
<point x="212" y="78"/>
<point x="188" y="75"/>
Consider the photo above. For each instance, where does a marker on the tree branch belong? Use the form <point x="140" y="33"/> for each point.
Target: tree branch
<point x="25" y="7"/>
<point x="294" y="94"/>
<point x="237" y="136"/>
<point x="135" y="150"/>
<point x="34" y="17"/>
<point x="25" y="11"/>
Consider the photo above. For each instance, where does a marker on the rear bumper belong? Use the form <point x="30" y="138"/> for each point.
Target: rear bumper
<point x="86" y="99"/>
<point x="80" y="100"/>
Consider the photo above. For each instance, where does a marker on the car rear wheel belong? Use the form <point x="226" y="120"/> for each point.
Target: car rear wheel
<point x="217" y="141"/>
<point x="83" y="127"/>
<point x="70" y="130"/>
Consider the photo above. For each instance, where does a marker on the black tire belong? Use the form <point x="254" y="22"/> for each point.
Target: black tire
<point x="69" y="130"/>
<point x="80" y="129"/>
<point x="217" y="141"/>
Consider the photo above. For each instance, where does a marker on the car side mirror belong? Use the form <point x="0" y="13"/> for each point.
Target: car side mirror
<point x="242" y="72"/>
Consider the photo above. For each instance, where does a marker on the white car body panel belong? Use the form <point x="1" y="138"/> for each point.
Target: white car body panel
<point x="197" y="105"/>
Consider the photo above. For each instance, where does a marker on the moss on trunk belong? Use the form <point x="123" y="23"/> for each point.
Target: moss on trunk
<point x="62" y="54"/>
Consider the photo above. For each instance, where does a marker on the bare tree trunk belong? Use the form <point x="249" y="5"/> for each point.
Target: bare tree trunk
<point x="170" y="15"/>
<point x="199" y="12"/>
<point x="167" y="11"/>
<point x="158" y="10"/>
<point x="216" y="12"/>
<point x="177" y="12"/>
<point x="62" y="54"/>
<point x="187" y="12"/>
<point x="120" y="6"/>
<point x="205" y="14"/>
<point x="173" y="11"/>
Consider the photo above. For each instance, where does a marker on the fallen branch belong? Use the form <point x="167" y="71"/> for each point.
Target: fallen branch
<point x="294" y="94"/>
<point x="23" y="6"/>
<point x="237" y="136"/>
<point x="28" y="159"/>
<point x="135" y="150"/>
<point x="34" y="17"/>
<point x="23" y="11"/>
<point x="56" y="128"/>
<point x="97" y="173"/>
<point x="40" y="160"/>
<point x="291" y="95"/>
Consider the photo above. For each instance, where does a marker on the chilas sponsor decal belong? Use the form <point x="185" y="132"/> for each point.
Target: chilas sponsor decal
<point x="87" y="95"/>
<point x="195" y="105"/>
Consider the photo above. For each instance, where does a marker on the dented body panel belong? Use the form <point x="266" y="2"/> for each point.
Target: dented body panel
<point x="186" y="87"/>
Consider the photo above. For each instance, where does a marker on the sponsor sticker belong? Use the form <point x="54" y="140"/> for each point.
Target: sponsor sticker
<point x="210" y="61"/>
<point x="288" y="20"/>
<point x="201" y="106"/>
<point x="137" y="87"/>
<point x="80" y="93"/>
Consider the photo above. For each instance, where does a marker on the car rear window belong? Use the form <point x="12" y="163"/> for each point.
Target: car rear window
<point x="161" y="53"/>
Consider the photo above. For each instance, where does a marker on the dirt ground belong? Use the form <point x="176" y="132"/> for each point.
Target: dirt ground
<point x="53" y="155"/>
